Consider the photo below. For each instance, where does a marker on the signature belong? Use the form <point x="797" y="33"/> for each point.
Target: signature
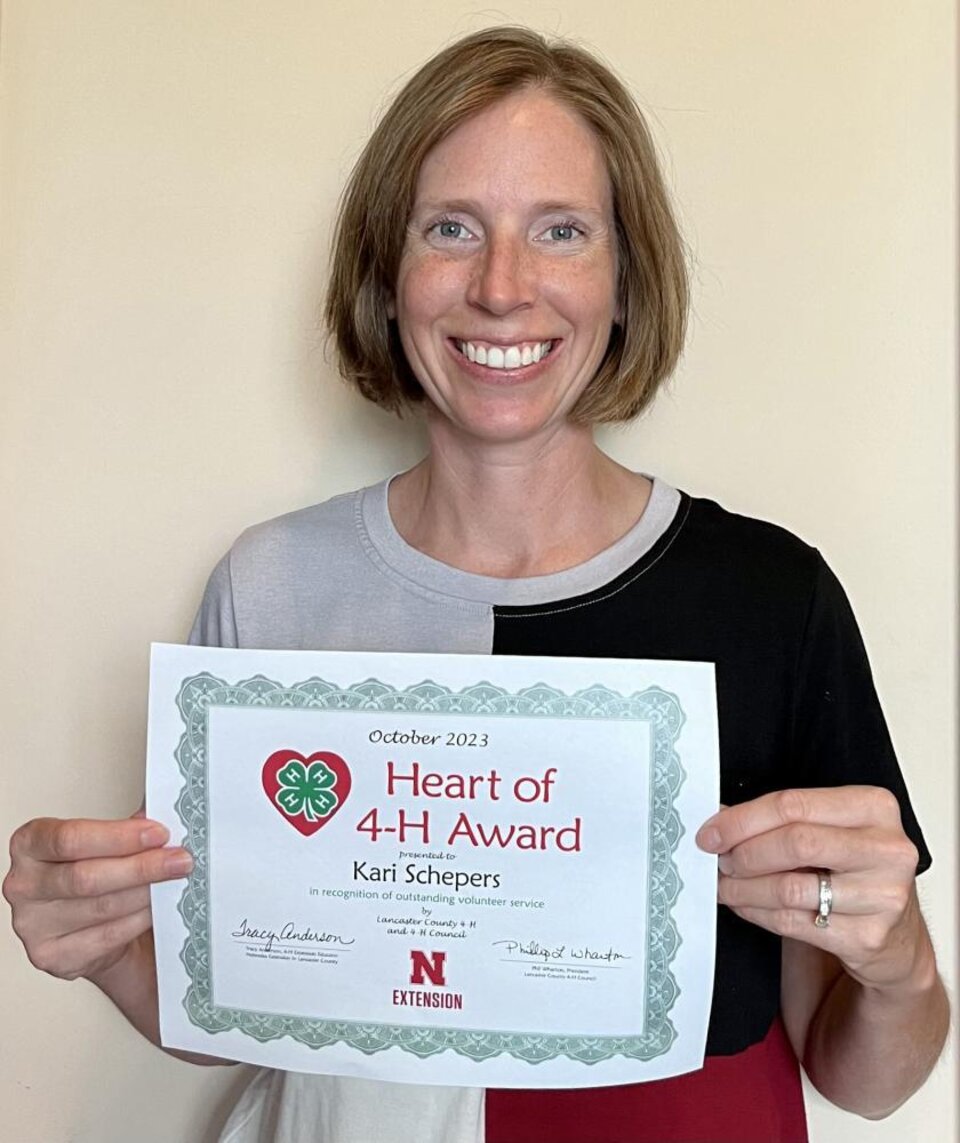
<point x="547" y="953"/>
<point x="290" y="931"/>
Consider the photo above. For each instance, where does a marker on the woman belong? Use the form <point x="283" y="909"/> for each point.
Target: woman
<point x="507" y="261"/>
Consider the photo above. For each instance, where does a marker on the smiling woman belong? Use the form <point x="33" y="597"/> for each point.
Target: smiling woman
<point x="507" y="262"/>
<point x="506" y="296"/>
<point x="595" y="118"/>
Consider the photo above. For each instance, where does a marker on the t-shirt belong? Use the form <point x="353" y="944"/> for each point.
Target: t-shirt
<point x="796" y="707"/>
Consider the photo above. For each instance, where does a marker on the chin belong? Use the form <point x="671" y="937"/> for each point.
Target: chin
<point x="505" y="431"/>
<point x="496" y="424"/>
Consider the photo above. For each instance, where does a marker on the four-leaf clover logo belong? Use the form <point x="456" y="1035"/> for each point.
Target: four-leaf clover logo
<point x="307" y="789"/>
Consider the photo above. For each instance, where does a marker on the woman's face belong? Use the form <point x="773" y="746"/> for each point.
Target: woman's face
<point x="507" y="285"/>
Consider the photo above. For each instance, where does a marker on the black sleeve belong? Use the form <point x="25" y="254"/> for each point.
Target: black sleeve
<point x="839" y="734"/>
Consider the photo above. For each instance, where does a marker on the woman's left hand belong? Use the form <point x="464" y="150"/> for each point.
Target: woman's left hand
<point x="771" y="850"/>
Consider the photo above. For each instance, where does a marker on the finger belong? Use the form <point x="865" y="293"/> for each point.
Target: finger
<point x="801" y="845"/>
<point x="82" y="952"/>
<point x="98" y="876"/>
<point x="76" y="839"/>
<point x="860" y="944"/>
<point x="796" y="890"/>
<point x="798" y="924"/>
<point x="846" y="806"/>
<point x="50" y="920"/>
<point x="797" y="847"/>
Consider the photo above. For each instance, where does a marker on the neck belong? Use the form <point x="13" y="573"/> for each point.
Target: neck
<point x="521" y="509"/>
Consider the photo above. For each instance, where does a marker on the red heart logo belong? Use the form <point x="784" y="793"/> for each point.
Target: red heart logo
<point x="307" y="791"/>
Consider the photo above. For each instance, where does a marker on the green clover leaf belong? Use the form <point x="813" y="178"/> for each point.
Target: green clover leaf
<point x="306" y="790"/>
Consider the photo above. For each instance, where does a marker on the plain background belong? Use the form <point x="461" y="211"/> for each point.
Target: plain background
<point x="170" y="169"/>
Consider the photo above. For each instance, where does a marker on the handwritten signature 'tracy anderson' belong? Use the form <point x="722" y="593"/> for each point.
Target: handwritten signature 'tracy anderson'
<point x="547" y="953"/>
<point x="291" y="932"/>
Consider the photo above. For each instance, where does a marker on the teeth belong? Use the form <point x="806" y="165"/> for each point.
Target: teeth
<point x="505" y="357"/>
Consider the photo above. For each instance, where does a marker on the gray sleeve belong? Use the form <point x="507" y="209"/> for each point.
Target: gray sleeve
<point x="215" y="624"/>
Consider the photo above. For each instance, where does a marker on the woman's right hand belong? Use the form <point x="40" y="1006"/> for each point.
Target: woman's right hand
<point x="79" y="889"/>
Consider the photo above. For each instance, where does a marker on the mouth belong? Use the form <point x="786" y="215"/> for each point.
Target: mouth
<point x="520" y="355"/>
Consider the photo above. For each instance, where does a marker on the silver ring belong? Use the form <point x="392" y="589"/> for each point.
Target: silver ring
<point x="822" y="919"/>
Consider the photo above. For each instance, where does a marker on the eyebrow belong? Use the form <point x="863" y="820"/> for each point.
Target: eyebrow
<point x="470" y="206"/>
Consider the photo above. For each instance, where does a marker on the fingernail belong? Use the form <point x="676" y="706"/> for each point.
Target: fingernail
<point x="709" y="839"/>
<point x="724" y="864"/>
<point x="154" y="835"/>
<point x="178" y="864"/>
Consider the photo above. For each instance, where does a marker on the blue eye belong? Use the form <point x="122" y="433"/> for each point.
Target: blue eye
<point x="450" y="229"/>
<point x="564" y="232"/>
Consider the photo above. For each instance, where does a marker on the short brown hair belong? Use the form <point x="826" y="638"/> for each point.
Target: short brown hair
<point x="454" y="85"/>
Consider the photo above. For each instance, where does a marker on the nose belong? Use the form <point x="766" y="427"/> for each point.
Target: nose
<point x="503" y="278"/>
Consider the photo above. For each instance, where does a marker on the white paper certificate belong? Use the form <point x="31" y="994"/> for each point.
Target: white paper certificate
<point x="444" y="869"/>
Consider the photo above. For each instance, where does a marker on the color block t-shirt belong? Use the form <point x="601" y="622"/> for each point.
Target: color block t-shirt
<point x="796" y="707"/>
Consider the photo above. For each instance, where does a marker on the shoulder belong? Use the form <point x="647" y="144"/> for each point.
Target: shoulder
<point x="759" y="557"/>
<point x="328" y="525"/>
<point x="774" y="588"/>
<point x="289" y="562"/>
<point x="727" y="530"/>
<point x="282" y="576"/>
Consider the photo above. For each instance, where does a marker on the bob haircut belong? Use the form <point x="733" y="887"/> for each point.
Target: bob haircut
<point x="454" y="85"/>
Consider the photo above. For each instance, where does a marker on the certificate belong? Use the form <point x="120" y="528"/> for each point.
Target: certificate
<point x="443" y="869"/>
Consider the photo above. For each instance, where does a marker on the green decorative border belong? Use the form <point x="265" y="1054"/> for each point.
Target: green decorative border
<point x="654" y="706"/>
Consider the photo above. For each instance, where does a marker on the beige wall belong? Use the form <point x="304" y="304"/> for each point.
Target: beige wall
<point x="169" y="173"/>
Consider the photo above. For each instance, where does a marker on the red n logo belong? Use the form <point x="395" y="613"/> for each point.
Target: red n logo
<point x="431" y="966"/>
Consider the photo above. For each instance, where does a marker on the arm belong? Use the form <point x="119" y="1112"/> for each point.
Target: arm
<point x="862" y="1003"/>
<point x="80" y="896"/>
<point x="865" y="1049"/>
<point x="131" y="984"/>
